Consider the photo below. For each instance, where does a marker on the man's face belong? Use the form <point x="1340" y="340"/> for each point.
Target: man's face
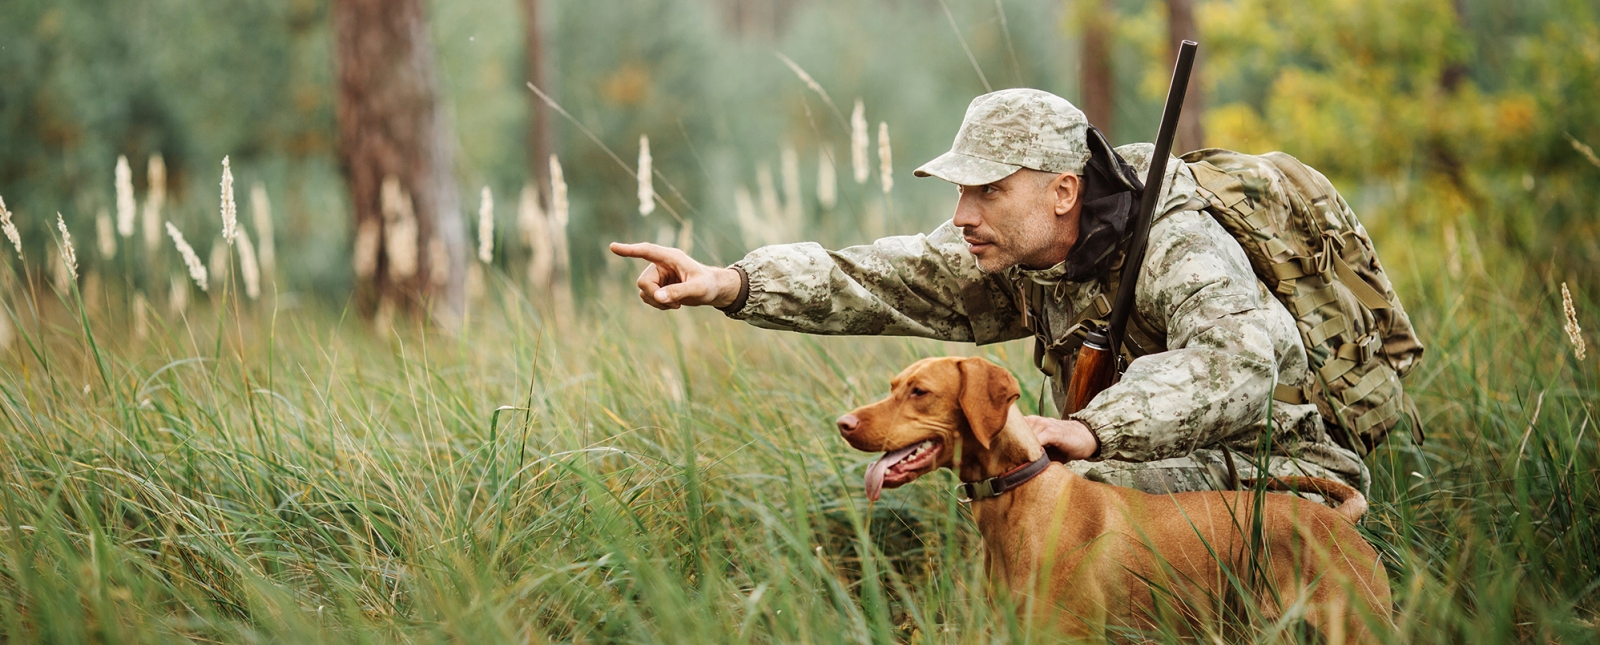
<point x="1027" y="219"/>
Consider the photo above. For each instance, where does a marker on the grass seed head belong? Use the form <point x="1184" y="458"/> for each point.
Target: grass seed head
<point x="647" y="192"/>
<point x="10" y="228"/>
<point x="486" y="226"/>
<point x="789" y="165"/>
<point x="400" y="230"/>
<point x="230" y="212"/>
<point x="154" y="201"/>
<point x="827" y="182"/>
<point x="197" y="271"/>
<point x="885" y="158"/>
<point x="105" y="235"/>
<point x="535" y="229"/>
<point x="249" y="269"/>
<point x="261" y="213"/>
<point x="1574" y="332"/>
<point x="858" y="142"/>
<point x="126" y="207"/>
<point x="69" y="255"/>
<point x="558" y="213"/>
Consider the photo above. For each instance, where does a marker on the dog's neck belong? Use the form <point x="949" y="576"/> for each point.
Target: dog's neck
<point x="1015" y="445"/>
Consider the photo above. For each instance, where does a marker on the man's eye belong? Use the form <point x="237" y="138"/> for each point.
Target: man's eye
<point x="990" y="189"/>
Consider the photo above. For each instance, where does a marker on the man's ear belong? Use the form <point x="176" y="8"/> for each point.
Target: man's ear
<point x="1068" y="192"/>
<point x="987" y="391"/>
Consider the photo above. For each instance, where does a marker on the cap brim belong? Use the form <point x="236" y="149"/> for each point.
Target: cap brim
<point x="965" y="170"/>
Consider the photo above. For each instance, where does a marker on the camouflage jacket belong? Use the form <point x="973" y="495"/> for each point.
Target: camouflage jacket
<point x="1214" y="339"/>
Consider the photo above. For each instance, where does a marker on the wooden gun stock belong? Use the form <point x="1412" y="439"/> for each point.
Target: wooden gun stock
<point x="1093" y="373"/>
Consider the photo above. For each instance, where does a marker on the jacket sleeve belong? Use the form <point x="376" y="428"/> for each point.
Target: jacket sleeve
<point x="1215" y="379"/>
<point x="913" y="285"/>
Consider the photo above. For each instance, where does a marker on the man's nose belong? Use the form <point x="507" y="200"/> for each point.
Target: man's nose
<point x="966" y="215"/>
<point x="848" y="424"/>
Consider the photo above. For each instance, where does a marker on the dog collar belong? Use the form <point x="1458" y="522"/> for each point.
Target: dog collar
<point x="997" y="486"/>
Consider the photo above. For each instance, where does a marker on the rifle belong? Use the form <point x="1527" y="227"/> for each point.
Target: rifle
<point x="1097" y="366"/>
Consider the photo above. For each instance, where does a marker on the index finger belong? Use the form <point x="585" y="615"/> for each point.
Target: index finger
<point x="644" y="251"/>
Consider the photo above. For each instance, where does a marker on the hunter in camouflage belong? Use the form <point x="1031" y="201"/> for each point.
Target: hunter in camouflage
<point x="1210" y="342"/>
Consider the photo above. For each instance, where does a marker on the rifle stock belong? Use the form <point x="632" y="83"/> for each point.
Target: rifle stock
<point x="1096" y="367"/>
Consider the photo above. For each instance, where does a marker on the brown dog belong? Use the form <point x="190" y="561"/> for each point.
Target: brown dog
<point x="1082" y="556"/>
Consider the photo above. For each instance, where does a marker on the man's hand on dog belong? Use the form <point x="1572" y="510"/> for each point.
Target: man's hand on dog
<point x="674" y="279"/>
<point x="1064" y="439"/>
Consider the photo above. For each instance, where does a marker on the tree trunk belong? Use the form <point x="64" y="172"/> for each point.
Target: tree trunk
<point x="1181" y="27"/>
<point x="533" y="58"/>
<point x="391" y="127"/>
<point x="1097" y="85"/>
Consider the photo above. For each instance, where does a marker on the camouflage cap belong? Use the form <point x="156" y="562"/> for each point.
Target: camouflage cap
<point x="1011" y="129"/>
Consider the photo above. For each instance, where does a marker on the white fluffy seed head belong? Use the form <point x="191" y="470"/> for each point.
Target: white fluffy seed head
<point x="261" y="213"/>
<point x="154" y="201"/>
<point x="197" y="271"/>
<point x="789" y="165"/>
<point x="400" y="230"/>
<point x="558" y="214"/>
<point x="885" y="158"/>
<point x="249" y="269"/>
<point x="486" y="226"/>
<point x="69" y="255"/>
<point x="126" y="208"/>
<point x="827" y="183"/>
<point x="10" y="228"/>
<point x="858" y="142"/>
<point x="105" y="234"/>
<point x="1574" y="332"/>
<point x="535" y="229"/>
<point x="647" y="191"/>
<point x="230" y="212"/>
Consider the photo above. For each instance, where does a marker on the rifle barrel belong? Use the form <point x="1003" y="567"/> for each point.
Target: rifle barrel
<point x="1123" y="305"/>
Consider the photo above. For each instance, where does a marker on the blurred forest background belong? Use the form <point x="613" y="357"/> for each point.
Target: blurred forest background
<point x="1466" y="117"/>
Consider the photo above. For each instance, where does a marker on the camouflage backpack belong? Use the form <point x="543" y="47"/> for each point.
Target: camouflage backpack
<point x="1308" y="247"/>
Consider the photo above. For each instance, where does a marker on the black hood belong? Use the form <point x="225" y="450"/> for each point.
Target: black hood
<point x="1111" y="191"/>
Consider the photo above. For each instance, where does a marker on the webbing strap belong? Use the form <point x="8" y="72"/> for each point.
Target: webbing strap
<point x="1311" y="301"/>
<point x="1329" y="328"/>
<point x="1377" y="415"/>
<point x="1289" y="269"/>
<point x="1335" y="369"/>
<point x="1358" y="287"/>
<point x="1227" y="188"/>
<point x="1288" y="394"/>
<point x="1368" y="383"/>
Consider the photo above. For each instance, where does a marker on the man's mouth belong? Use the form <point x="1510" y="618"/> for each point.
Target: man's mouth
<point x="897" y="468"/>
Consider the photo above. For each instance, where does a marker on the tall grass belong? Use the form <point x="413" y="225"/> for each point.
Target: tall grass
<point x="261" y="474"/>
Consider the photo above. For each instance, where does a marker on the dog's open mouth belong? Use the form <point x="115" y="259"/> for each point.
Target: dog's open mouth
<point x="898" y="467"/>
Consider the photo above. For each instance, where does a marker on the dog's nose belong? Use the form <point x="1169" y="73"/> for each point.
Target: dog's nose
<point x="847" y="423"/>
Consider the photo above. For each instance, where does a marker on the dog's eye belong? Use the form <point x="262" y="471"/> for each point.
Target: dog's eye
<point x="917" y="392"/>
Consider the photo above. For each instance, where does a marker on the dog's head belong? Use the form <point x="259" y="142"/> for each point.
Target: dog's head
<point x="937" y="408"/>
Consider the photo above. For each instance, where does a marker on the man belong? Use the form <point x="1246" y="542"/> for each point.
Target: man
<point x="1035" y="248"/>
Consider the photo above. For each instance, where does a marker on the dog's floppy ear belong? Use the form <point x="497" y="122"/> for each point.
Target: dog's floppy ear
<point x="987" y="391"/>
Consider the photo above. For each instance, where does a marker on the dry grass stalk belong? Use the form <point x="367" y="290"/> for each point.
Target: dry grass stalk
<point x="647" y="191"/>
<point x="105" y="234"/>
<point x="486" y="226"/>
<point x="811" y="83"/>
<point x="10" y="228"/>
<point x="249" y="269"/>
<point x="178" y="292"/>
<point x="217" y="261"/>
<point x="885" y="158"/>
<point x="558" y="214"/>
<point x="8" y="334"/>
<point x="1586" y="151"/>
<point x="261" y="213"/>
<point x="126" y="207"/>
<point x="364" y="257"/>
<point x="154" y="201"/>
<point x="686" y="237"/>
<point x="789" y="165"/>
<point x="230" y="211"/>
<point x="827" y="182"/>
<point x="1574" y="332"/>
<point x="69" y="255"/>
<point x="197" y="271"/>
<point x="59" y="277"/>
<point x="400" y="230"/>
<point x="535" y="229"/>
<point x="141" y="316"/>
<point x="858" y="142"/>
<point x="750" y="226"/>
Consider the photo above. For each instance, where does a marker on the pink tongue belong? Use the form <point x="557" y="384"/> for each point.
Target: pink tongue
<point x="876" y="471"/>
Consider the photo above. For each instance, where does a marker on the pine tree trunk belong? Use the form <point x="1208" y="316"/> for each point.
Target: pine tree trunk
<point x="1096" y="82"/>
<point x="391" y="125"/>
<point x="1191" y="125"/>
